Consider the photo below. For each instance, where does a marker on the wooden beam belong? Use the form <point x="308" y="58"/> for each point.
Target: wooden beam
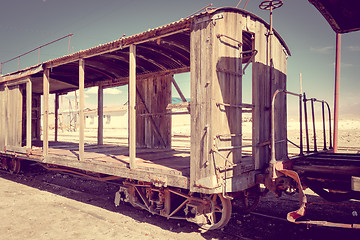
<point x="46" y="83"/>
<point x="122" y="43"/>
<point x="81" y="108"/>
<point x="28" y="112"/>
<point x="132" y="111"/>
<point x="179" y="91"/>
<point x="100" y="137"/>
<point x="56" y="116"/>
<point x="6" y="117"/>
<point x="125" y="80"/>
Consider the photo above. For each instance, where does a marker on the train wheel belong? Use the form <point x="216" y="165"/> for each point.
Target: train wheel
<point x="220" y="212"/>
<point x="14" y="166"/>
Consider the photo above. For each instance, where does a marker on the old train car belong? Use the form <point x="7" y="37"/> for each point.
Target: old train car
<point x="217" y="47"/>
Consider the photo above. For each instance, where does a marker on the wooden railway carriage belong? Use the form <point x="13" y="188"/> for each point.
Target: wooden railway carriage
<point x="218" y="47"/>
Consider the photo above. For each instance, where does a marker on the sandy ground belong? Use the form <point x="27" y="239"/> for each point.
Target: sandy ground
<point x="37" y="204"/>
<point x="29" y="213"/>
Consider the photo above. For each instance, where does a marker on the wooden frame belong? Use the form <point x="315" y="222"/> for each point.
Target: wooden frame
<point x="81" y="108"/>
<point x="100" y="136"/>
<point x="210" y="47"/>
<point x="131" y="109"/>
<point x="28" y="113"/>
<point x="45" y="127"/>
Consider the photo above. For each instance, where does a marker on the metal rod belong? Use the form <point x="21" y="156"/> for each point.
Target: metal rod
<point x="337" y="90"/>
<point x="69" y="44"/>
<point x="330" y="137"/>
<point x="206" y="7"/>
<point x="21" y="55"/>
<point x="313" y="120"/>
<point x="39" y="56"/>
<point x="273" y="159"/>
<point x="238" y="4"/>
<point x="246" y="4"/>
<point x="306" y="125"/>
<point x="324" y="130"/>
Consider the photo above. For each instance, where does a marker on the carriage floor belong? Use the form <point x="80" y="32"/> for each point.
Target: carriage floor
<point x="174" y="164"/>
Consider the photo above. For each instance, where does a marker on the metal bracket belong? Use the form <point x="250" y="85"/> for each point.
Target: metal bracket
<point x="218" y="16"/>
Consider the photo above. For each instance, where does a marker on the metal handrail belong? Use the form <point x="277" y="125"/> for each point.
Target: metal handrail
<point x="314" y="100"/>
<point x="272" y="144"/>
<point x="37" y="48"/>
<point x="272" y="163"/>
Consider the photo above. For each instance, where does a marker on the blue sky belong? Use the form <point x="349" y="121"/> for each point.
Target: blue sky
<point x="26" y="24"/>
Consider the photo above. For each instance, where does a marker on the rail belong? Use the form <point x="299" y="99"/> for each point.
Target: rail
<point x="33" y="50"/>
<point x="314" y="100"/>
<point x="302" y="99"/>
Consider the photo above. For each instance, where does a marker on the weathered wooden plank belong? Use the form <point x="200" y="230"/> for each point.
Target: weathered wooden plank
<point x="261" y="98"/>
<point x="56" y="116"/>
<point x="201" y="46"/>
<point x="46" y="111"/>
<point x="132" y="103"/>
<point x="227" y="88"/>
<point x="28" y="113"/>
<point x="3" y="103"/>
<point x="14" y="110"/>
<point x="18" y="149"/>
<point x="100" y="136"/>
<point x="81" y="108"/>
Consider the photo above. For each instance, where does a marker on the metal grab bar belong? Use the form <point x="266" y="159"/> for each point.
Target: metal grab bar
<point x="272" y="144"/>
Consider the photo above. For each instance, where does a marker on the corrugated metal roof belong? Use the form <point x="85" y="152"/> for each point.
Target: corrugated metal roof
<point x="165" y="49"/>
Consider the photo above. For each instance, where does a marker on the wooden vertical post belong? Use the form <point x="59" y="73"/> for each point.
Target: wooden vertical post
<point x="46" y="112"/>
<point x="28" y="112"/>
<point x="131" y="109"/>
<point x="56" y="116"/>
<point x="6" y="118"/>
<point x="81" y="107"/>
<point x="100" y="137"/>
